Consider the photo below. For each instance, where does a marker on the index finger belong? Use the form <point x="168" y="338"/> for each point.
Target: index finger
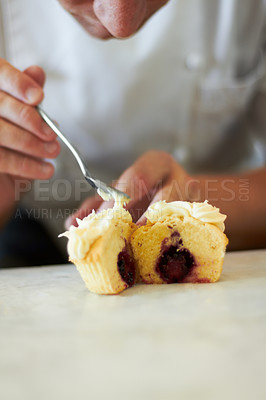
<point x="19" y="84"/>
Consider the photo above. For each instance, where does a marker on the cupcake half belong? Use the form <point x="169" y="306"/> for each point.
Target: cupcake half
<point x="181" y="242"/>
<point x="100" y="249"/>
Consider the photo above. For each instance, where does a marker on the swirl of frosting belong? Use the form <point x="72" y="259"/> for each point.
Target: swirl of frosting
<point x="82" y="237"/>
<point x="204" y="212"/>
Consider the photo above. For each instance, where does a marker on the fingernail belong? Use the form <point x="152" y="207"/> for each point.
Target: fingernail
<point x="51" y="147"/>
<point x="33" y="94"/>
<point x="46" y="168"/>
<point x="68" y="222"/>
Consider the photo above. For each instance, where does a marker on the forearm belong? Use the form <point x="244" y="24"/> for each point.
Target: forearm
<point x="243" y="199"/>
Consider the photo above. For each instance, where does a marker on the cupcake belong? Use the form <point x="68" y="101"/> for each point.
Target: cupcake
<point x="100" y="249"/>
<point x="181" y="242"/>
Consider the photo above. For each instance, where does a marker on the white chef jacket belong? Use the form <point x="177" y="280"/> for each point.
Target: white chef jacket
<point x="188" y="83"/>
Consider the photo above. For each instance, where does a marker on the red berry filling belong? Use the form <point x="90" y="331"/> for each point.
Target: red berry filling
<point x="174" y="263"/>
<point x="126" y="266"/>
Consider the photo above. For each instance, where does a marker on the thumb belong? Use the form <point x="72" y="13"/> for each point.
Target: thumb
<point x="91" y="203"/>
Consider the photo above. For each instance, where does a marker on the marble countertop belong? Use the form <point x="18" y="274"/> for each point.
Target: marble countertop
<point x="201" y="341"/>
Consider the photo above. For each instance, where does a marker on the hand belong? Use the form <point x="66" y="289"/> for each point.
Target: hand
<point x="154" y="176"/>
<point x="25" y="139"/>
<point x="157" y="176"/>
<point x="112" y="18"/>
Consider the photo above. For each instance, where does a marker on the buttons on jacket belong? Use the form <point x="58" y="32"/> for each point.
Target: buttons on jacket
<point x="194" y="61"/>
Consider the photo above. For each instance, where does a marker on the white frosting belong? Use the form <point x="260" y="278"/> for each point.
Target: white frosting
<point x="204" y="212"/>
<point x="81" y="238"/>
<point x="105" y="196"/>
<point x="120" y="198"/>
